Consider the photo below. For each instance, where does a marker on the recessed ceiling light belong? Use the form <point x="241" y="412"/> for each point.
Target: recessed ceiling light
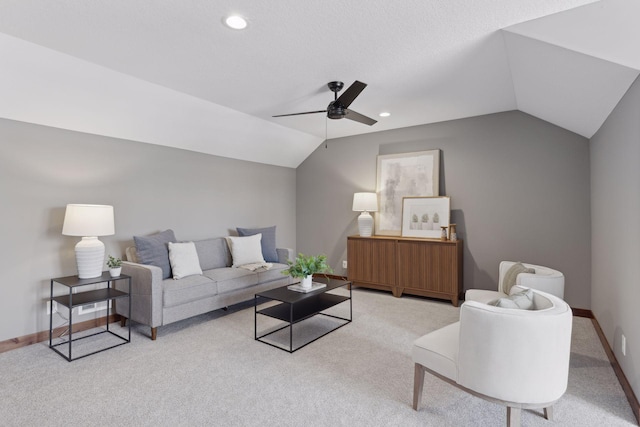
<point x="236" y="22"/>
<point x="385" y="114"/>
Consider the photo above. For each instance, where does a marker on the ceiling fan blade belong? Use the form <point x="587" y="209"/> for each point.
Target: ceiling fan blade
<point x="298" y="114"/>
<point x="351" y="93"/>
<point x="352" y="115"/>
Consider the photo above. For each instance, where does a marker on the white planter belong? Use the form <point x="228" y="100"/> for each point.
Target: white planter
<point x="115" y="272"/>
<point x="306" y="282"/>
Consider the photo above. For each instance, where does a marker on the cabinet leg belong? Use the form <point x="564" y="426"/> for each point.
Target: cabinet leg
<point x="397" y="292"/>
<point x="123" y="321"/>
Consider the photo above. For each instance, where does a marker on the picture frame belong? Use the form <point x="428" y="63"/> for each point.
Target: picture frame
<point x="424" y="216"/>
<point x="403" y="175"/>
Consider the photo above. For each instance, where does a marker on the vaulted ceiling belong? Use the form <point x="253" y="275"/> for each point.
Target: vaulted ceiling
<point x="170" y="73"/>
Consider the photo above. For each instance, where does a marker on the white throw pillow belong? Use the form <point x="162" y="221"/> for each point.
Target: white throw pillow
<point x="245" y="250"/>
<point x="522" y="300"/>
<point x="184" y="259"/>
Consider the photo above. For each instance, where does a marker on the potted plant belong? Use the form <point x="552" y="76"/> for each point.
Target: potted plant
<point x="115" y="266"/>
<point x="304" y="267"/>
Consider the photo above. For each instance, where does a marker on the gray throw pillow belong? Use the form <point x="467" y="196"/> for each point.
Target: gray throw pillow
<point x="512" y="274"/>
<point x="522" y="300"/>
<point x="153" y="250"/>
<point x="268" y="241"/>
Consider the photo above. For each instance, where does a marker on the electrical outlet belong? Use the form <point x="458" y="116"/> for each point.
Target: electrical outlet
<point x="623" y="344"/>
<point x="55" y="307"/>
<point x="344" y="263"/>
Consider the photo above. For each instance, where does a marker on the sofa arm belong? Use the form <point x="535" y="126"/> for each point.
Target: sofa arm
<point x="285" y="254"/>
<point x="146" y="294"/>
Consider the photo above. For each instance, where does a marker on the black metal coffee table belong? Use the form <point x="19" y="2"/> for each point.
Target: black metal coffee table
<point x="295" y="307"/>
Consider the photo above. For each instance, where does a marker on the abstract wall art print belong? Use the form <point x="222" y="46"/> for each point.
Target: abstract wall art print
<point x="403" y="175"/>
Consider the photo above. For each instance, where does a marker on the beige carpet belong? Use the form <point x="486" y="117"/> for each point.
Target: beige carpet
<point x="210" y="371"/>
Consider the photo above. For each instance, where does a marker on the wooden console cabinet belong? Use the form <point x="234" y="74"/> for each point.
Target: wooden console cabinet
<point x="426" y="267"/>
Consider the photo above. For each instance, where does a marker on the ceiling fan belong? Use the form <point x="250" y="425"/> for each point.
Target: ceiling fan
<point x="339" y="107"/>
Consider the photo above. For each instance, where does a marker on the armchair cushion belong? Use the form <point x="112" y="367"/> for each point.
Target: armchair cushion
<point x="520" y="300"/>
<point x="438" y="350"/>
<point x="511" y="276"/>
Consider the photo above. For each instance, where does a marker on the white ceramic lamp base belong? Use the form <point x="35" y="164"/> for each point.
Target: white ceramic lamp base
<point x="365" y="224"/>
<point x="89" y="257"/>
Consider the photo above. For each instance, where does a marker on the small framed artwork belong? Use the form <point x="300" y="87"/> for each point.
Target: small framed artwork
<point x="424" y="216"/>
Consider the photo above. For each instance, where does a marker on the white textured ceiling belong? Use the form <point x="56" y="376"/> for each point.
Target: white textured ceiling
<point x="169" y="73"/>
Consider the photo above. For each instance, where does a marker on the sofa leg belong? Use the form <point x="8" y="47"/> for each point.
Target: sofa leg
<point x="548" y="413"/>
<point x="154" y="333"/>
<point x="418" y="384"/>
<point x="123" y="321"/>
<point x="513" y="417"/>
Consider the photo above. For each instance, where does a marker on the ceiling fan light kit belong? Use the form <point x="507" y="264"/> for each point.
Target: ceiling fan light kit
<point x="339" y="107"/>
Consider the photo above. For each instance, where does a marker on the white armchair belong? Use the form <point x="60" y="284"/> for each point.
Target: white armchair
<point x="544" y="279"/>
<point x="517" y="358"/>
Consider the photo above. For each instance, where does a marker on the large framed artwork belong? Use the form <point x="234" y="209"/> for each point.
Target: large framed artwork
<point x="424" y="216"/>
<point x="403" y="175"/>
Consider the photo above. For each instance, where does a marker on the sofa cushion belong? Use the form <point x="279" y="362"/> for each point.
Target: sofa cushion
<point x="268" y="242"/>
<point x="184" y="259"/>
<point x="511" y="276"/>
<point x="153" y="250"/>
<point x="274" y="273"/>
<point x="245" y="250"/>
<point x="191" y="288"/>
<point x="213" y="253"/>
<point x="229" y="279"/>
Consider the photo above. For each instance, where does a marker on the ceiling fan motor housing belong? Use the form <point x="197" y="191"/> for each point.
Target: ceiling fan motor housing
<point x="335" y="110"/>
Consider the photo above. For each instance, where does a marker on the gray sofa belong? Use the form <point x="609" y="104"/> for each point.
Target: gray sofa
<point x="156" y="301"/>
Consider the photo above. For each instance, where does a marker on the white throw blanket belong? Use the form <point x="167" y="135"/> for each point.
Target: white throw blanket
<point x="257" y="266"/>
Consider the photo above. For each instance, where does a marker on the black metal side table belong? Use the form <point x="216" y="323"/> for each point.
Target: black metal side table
<point x="87" y="297"/>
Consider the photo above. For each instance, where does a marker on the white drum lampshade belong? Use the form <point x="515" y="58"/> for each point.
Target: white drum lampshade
<point x="365" y="203"/>
<point x="89" y="222"/>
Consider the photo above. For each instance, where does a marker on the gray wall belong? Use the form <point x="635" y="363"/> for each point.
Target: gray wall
<point x="519" y="190"/>
<point x="615" y="210"/>
<point x="151" y="188"/>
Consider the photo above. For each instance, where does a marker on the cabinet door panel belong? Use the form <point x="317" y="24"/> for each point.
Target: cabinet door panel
<point x="359" y="260"/>
<point x="384" y="262"/>
<point x="427" y="266"/>
<point x="372" y="261"/>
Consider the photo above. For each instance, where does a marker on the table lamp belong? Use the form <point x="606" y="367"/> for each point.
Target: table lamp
<point x="89" y="222"/>
<point x="365" y="203"/>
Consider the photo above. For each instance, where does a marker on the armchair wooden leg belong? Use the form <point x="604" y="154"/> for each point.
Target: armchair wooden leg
<point x="154" y="333"/>
<point x="513" y="417"/>
<point x="418" y="384"/>
<point x="548" y="413"/>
